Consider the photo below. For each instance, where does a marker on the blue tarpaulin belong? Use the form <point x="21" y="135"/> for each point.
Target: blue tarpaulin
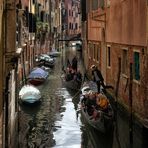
<point x="38" y="73"/>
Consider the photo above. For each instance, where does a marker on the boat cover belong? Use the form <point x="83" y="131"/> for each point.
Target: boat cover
<point x="26" y="89"/>
<point x="29" y="93"/>
<point x="38" y="73"/>
<point x="89" y="86"/>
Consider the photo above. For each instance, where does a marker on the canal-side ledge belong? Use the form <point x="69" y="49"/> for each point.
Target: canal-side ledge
<point x="139" y="126"/>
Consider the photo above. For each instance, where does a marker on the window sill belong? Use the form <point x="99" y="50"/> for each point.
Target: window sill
<point x="125" y="76"/>
<point x="136" y="81"/>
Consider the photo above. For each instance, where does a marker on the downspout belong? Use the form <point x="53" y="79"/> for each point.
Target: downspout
<point x="131" y="106"/>
<point x="116" y="102"/>
<point x="24" y="68"/>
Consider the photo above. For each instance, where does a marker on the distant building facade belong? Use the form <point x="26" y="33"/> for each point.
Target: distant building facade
<point x="71" y="18"/>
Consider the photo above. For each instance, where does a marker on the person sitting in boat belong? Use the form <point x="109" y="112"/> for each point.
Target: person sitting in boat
<point x="102" y="102"/>
<point x="83" y="99"/>
<point x="78" y="76"/>
<point x="68" y="63"/>
<point x="91" y="103"/>
<point x="69" y="75"/>
<point x="74" y="63"/>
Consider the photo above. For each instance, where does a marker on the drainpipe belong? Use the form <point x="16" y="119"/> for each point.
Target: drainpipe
<point x="131" y="105"/>
<point x="116" y="102"/>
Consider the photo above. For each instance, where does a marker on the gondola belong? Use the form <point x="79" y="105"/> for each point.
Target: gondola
<point x="73" y="83"/>
<point x="29" y="94"/>
<point x="104" y="119"/>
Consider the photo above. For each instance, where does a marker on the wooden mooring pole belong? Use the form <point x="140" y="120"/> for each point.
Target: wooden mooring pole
<point x="131" y="105"/>
<point x="116" y="102"/>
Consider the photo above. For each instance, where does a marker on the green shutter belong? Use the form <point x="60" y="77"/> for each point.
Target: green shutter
<point x="136" y="66"/>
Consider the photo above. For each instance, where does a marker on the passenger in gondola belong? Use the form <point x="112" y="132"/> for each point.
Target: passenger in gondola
<point x="83" y="99"/>
<point x="102" y="103"/>
<point x="91" y="103"/>
<point x="68" y="63"/>
<point x="79" y="76"/>
<point x="69" y="75"/>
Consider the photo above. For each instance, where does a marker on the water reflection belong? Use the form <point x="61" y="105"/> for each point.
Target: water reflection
<point x="55" y="122"/>
<point x="55" y="114"/>
<point x="69" y="134"/>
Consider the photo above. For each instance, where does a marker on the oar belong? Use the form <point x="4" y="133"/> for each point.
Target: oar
<point x="79" y="90"/>
<point x="76" y="94"/>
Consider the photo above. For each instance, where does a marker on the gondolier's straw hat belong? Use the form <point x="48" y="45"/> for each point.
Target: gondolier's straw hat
<point x="93" y="66"/>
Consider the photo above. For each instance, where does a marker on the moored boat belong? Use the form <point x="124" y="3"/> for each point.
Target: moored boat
<point x="29" y="94"/>
<point x="54" y="53"/>
<point x="37" y="76"/>
<point x="45" y="60"/>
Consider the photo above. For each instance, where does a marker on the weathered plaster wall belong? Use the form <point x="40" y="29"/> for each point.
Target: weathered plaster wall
<point x="126" y="22"/>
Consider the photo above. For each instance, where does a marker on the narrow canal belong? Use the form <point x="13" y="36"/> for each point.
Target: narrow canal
<point x="55" y="122"/>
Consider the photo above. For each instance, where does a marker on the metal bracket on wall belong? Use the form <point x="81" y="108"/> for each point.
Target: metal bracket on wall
<point x="97" y="16"/>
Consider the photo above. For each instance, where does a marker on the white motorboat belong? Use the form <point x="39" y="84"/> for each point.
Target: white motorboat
<point x="29" y="94"/>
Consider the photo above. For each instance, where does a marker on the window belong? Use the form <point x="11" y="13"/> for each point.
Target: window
<point x="136" y="66"/>
<point x="69" y="25"/>
<point x="108" y="56"/>
<point x="124" y="61"/>
<point x="90" y="50"/>
<point x="94" y="49"/>
<point x="108" y="3"/>
<point x="76" y="26"/>
<point x="94" y="4"/>
<point x="97" y="52"/>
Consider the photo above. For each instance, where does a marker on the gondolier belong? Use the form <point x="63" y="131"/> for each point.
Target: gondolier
<point x="97" y="77"/>
<point x="74" y="63"/>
